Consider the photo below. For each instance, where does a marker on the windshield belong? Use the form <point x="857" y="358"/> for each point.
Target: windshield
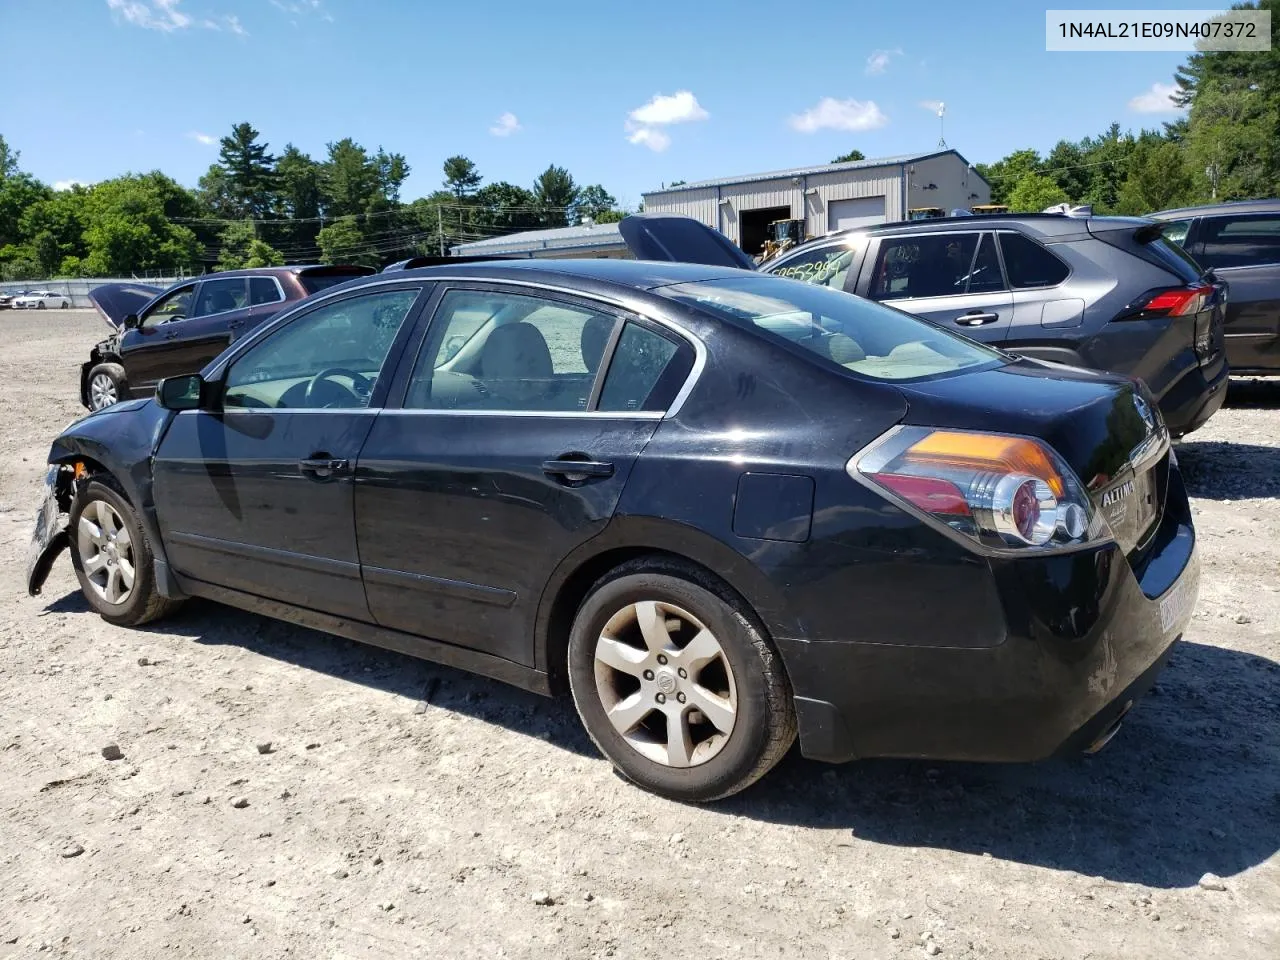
<point x="867" y="338"/>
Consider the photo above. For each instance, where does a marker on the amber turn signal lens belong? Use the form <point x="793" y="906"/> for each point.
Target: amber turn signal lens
<point x="985" y="451"/>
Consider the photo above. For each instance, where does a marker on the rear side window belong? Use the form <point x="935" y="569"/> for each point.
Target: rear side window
<point x="1030" y="265"/>
<point x="219" y="296"/>
<point x="936" y="265"/>
<point x="263" y="290"/>
<point x="1240" y="242"/>
<point x="985" y="276"/>
<point x="645" y="372"/>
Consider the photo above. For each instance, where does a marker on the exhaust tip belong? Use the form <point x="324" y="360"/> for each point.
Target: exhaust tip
<point x="1112" y="729"/>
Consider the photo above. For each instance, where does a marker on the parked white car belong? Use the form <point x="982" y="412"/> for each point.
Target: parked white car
<point x="41" y="299"/>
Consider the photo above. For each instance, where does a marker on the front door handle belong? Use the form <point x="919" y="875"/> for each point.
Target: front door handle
<point x="577" y="469"/>
<point x="235" y="324"/>
<point x="976" y="319"/>
<point x="321" y="467"/>
<point x="171" y="335"/>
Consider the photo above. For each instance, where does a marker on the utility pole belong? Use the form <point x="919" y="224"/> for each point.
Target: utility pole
<point x="440" y="227"/>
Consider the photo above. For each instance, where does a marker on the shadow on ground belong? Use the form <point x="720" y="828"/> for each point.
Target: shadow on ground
<point x="1191" y="784"/>
<point x="1216" y="470"/>
<point x="1253" y="392"/>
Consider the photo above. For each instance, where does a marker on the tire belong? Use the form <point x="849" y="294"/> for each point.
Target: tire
<point x="120" y="544"/>
<point x="65" y="305"/>
<point x="653" y="700"/>
<point x="39" y="304"/>
<point x="105" y="385"/>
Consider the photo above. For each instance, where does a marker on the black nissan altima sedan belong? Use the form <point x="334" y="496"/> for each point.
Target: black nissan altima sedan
<point x="720" y="508"/>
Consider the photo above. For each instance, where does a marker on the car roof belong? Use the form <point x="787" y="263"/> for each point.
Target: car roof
<point x="629" y="274"/>
<point x="297" y="268"/>
<point x="1038" y="224"/>
<point x="1217" y="209"/>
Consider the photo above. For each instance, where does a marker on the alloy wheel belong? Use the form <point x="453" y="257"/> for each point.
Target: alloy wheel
<point x="106" y="552"/>
<point x="102" y="391"/>
<point x="665" y="683"/>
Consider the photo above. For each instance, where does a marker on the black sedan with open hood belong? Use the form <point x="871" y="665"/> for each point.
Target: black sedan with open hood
<point x="163" y="333"/>
<point x="716" y="507"/>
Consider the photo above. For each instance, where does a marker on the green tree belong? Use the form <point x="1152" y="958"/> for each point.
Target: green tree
<point x="214" y="191"/>
<point x="18" y="191"/>
<point x="554" y="194"/>
<point x="129" y="226"/>
<point x="235" y="240"/>
<point x="262" y="254"/>
<point x="299" y="195"/>
<point x="60" y="216"/>
<point x="344" y="242"/>
<point x="461" y="177"/>
<point x="506" y="206"/>
<point x="1005" y="173"/>
<point x="593" y="202"/>
<point x="250" y="172"/>
<point x="349" y="179"/>
<point x="8" y="159"/>
<point x="850" y="157"/>
<point x="1233" y="141"/>
<point x="1033" y="193"/>
<point x="1158" y="179"/>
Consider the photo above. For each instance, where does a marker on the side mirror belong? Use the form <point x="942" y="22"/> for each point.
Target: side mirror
<point x="130" y="321"/>
<point x="180" y="393"/>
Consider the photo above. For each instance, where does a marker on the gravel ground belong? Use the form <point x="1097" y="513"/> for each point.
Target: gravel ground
<point x="408" y="809"/>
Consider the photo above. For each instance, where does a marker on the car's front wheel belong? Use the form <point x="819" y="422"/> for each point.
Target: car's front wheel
<point x="39" y="304"/>
<point x="106" y="385"/>
<point x="676" y="683"/>
<point x="112" y="558"/>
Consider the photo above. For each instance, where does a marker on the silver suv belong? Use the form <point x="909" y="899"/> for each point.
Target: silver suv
<point x="1111" y="293"/>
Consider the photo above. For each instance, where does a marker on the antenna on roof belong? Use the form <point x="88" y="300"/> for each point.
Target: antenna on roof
<point x="942" y="140"/>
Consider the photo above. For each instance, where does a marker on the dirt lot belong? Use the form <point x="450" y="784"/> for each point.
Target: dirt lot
<point x="380" y="826"/>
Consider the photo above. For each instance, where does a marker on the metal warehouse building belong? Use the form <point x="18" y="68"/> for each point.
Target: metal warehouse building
<point x="587" y="240"/>
<point x="835" y="196"/>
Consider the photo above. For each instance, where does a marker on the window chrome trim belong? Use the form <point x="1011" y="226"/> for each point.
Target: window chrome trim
<point x="546" y="414"/>
<point x="317" y="300"/>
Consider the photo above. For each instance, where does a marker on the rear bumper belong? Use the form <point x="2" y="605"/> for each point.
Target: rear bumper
<point x="1196" y="397"/>
<point x="1086" y="635"/>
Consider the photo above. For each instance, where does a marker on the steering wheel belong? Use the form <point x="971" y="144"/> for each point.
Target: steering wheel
<point x="361" y="386"/>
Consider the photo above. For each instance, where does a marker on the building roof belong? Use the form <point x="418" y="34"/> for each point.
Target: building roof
<point x="556" y="238"/>
<point x="1219" y="209"/>
<point x="869" y="163"/>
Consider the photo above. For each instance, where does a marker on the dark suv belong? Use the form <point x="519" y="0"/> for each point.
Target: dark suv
<point x="1240" y="242"/>
<point x="166" y="333"/>
<point x="1110" y="293"/>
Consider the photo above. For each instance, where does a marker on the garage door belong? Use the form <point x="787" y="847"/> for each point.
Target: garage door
<point x="862" y="212"/>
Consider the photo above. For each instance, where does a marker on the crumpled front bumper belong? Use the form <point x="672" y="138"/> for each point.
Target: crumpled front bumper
<point x="50" y="535"/>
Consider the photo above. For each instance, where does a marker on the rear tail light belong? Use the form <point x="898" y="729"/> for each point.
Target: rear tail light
<point x="1001" y="492"/>
<point x="1171" y="302"/>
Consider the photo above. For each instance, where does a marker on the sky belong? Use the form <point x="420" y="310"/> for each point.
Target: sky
<point x="631" y="96"/>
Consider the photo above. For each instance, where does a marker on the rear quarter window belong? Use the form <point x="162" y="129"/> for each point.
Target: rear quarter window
<point x="1029" y="265"/>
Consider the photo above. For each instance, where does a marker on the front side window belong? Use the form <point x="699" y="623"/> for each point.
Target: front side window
<point x="506" y="351"/>
<point x="328" y="358"/>
<point x="219" y="296"/>
<point x="1240" y="241"/>
<point x="1030" y="265"/>
<point x="176" y="306"/>
<point x="933" y="265"/>
<point x="826" y="266"/>
<point x="861" y="336"/>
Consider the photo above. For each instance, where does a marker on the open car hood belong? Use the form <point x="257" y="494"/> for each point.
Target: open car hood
<point x="115" y="301"/>
<point x="675" y="239"/>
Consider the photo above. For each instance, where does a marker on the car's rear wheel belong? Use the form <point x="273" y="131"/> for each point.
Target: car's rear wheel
<point x="106" y="385"/>
<point x="39" y="304"/>
<point x="112" y="558"/>
<point x="65" y="305"/>
<point x="677" y="684"/>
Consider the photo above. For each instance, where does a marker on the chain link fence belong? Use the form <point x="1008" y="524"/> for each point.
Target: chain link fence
<point x="77" y="291"/>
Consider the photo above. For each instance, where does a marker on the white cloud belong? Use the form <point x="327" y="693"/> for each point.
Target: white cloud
<point x="507" y="124"/>
<point x="68" y="184"/>
<point x="161" y="15"/>
<point x="1155" y="100"/>
<point x="878" y="62"/>
<point x="202" y="138"/>
<point x="681" y="107"/>
<point x="833" y="114"/>
<point x="933" y="106"/>
<point x="302" y="8"/>
<point x="642" y="122"/>
<point x="656" y="140"/>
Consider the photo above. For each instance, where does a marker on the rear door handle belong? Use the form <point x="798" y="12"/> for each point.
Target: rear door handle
<point x="321" y="468"/>
<point x="235" y="324"/>
<point x="171" y="335"/>
<point x="976" y="319"/>
<point x="574" y="469"/>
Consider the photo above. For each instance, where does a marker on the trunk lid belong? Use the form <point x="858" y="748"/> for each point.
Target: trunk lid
<point x="1107" y="428"/>
<point x="115" y="301"/>
<point x="669" y="237"/>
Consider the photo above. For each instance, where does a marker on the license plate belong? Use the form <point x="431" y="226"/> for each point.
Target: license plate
<point x="1178" y="600"/>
